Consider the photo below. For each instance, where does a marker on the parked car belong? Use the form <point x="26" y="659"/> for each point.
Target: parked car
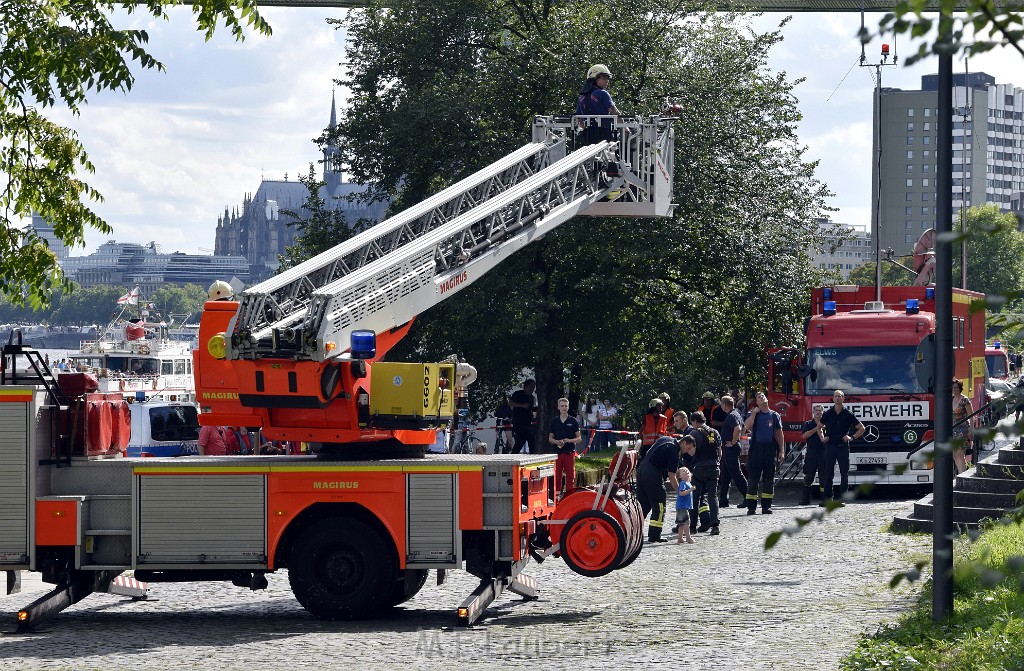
<point x="998" y="397"/>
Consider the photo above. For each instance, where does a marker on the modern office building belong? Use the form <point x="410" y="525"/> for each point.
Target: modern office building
<point x="44" y="230"/>
<point x="262" y="227"/>
<point x="128" y="264"/>
<point x="988" y="154"/>
<point x="851" y="252"/>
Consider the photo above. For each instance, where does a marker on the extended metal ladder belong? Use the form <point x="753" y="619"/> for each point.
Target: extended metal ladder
<point x="394" y="271"/>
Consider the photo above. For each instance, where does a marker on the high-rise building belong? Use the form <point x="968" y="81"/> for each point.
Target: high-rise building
<point x="44" y="230"/>
<point x="988" y="154"/>
<point x="850" y="252"/>
<point x="260" y="229"/>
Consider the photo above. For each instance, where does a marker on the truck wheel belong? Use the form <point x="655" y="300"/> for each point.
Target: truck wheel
<point x="342" y="569"/>
<point x="407" y="586"/>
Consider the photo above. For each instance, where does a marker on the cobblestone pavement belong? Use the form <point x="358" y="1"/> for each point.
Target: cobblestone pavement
<point x="722" y="603"/>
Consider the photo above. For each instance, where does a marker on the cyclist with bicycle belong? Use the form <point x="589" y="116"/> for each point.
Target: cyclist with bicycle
<point x="564" y="435"/>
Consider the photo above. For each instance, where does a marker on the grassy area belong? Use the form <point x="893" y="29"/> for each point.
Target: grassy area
<point x="986" y="630"/>
<point x="598" y="460"/>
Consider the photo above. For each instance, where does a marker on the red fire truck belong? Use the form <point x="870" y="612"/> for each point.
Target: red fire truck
<point x="358" y="524"/>
<point x="880" y="354"/>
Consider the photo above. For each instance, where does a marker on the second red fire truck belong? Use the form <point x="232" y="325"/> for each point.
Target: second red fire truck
<point x="880" y="353"/>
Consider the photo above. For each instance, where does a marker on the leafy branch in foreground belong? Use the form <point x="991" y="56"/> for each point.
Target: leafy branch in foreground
<point x="54" y="53"/>
<point x="977" y="27"/>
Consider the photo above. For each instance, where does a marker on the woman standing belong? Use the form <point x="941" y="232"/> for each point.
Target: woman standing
<point x="963" y="434"/>
<point x="588" y="411"/>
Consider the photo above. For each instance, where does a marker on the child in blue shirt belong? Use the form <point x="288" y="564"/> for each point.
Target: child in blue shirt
<point x="684" y="503"/>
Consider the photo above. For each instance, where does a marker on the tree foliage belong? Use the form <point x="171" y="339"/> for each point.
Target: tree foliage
<point x="54" y="54"/>
<point x="976" y="27"/>
<point x="995" y="257"/>
<point x="320" y="227"/>
<point x="627" y="307"/>
<point x="995" y="254"/>
<point x="177" y="303"/>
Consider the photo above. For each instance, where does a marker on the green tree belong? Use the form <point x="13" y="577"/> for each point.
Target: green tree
<point x="995" y="255"/>
<point x="91" y="305"/>
<point x="320" y="227"/>
<point x="631" y="307"/>
<point x="178" y="302"/>
<point x="892" y="274"/>
<point x="54" y="54"/>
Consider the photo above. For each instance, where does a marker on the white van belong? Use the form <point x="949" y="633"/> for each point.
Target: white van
<point x="164" y="429"/>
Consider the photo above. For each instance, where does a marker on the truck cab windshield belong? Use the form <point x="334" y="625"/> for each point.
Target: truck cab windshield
<point x="862" y="370"/>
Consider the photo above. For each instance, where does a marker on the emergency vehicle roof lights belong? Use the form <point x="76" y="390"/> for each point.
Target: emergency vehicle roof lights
<point x="997" y="345"/>
<point x="827" y="293"/>
<point x="364" y="344"/>
<point x="929" y="293"/>
<point x="829" y="309"/>
<point x="912" y="306"/>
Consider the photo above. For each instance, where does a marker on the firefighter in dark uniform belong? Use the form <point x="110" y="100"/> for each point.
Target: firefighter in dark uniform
<point x="661" y="460"/>
<point x="767" y="449"/>
<point x="706" y="455"/>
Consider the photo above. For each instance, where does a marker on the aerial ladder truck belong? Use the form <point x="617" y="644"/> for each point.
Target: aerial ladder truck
<point x="359" y="523"/>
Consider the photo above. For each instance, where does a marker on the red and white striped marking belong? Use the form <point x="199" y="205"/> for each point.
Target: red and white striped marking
<point x="128" y="587"/>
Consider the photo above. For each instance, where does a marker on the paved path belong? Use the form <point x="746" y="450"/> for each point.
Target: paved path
<point x="722" y="603"/>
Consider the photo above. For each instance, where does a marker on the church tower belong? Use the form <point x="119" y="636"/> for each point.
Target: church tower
<point x="332" y="156"/>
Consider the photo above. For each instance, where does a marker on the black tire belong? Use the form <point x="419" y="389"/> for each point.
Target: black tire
<point x="403" y="589"/>
<point x="342" y="569"/>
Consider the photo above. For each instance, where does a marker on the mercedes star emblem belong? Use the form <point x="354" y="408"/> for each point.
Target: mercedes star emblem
<point x="870" y="433"/>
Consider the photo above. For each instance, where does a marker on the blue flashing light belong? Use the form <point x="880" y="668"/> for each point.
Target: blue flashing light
<point x="827" y="293"/>
<point x="998" y="345"/>
<point x="929" y="293"/>
<point x="912" y="306"/>
<point x="140" y="396"/>
<point x="364" y="344"/>
<point x="830" y="308"/>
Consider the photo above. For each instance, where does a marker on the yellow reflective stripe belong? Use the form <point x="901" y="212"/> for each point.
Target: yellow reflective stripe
<point x="335" y="469"/>
<point x="751" y="497"/>
<point x="657" y="524"/>
<point x="704" y="509"/>
<point x="768" y="495"/>
<point x="658" y="519"/>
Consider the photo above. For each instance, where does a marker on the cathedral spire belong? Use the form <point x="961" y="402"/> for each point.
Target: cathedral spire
<point x="332" y="154"/>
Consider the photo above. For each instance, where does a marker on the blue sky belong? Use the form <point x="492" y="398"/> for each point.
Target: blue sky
<point x="182" y="145"/>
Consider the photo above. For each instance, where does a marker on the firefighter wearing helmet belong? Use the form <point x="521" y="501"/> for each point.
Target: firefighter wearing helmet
<point x="655" y="425"/>
<point x="220" y="291"/>
<point x="667" y="409"/>
<point x="594" y="100"/>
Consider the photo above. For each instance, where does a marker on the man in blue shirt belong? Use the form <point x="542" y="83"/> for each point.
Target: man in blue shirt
<point x="564" y="435"/>
<point x="767" y="449"/>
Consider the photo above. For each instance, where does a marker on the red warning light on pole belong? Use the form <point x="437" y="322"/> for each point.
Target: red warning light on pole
<point x="885" y="49"/>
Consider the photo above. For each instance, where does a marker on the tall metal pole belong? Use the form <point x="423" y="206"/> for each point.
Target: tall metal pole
<point x="878" y="199"/>
<point x="883" y="61"/>
<point x="942" y="500"/>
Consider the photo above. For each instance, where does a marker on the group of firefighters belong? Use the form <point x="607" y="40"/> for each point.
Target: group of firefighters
<point x="703" y="455"/>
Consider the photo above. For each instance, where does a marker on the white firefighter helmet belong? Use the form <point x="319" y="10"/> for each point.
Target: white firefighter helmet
<point x="598" y="69"/>
<point x="220" y="290"/>
<point x="655" y="402"/>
